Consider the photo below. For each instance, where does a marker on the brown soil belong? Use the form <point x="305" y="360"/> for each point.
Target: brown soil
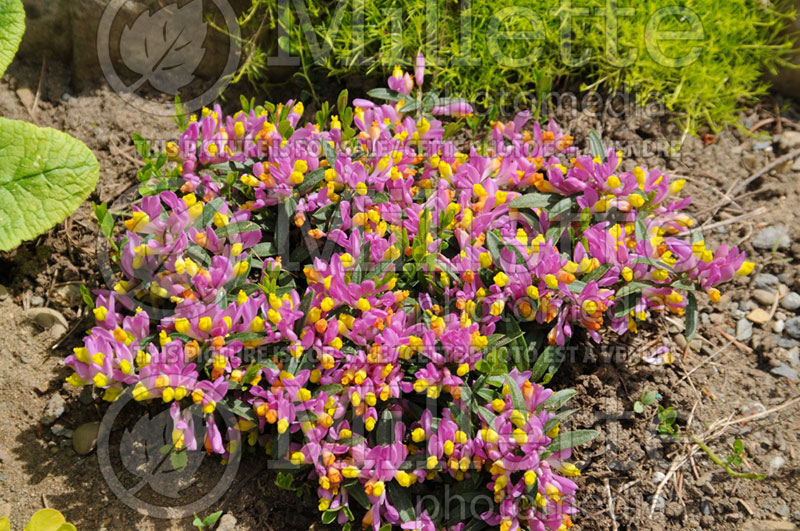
<point x="620" y="469"/>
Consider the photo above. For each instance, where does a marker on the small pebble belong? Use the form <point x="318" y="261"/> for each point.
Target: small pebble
<point x="717" y="318"/>
<point x="775" y="464"/>
<point x="680" y="340"/>
<point x="791" y="301"/>
<point x="765" y="281"/>
<point x="785" y="371"/>
<point x="53" y="410"/>
<point x="658" y="476"/>
<point x="776" y="237"/>
<point x="778" y="326"/>
<point x="758" y="316"/>
<point x="705" y="507"/>
<point x="793" y="328"/>
<point x="789" y="140"/>
<point x="764" y="296"/>
<point x="85" y="438"/>
<point x="744" y="330"/>
<point x="66" y="96"/>
<point x="3" y="293"/>
<point x="37" y="301"/>
<point x="61" y="431"/>
<point x="227" y="523"/>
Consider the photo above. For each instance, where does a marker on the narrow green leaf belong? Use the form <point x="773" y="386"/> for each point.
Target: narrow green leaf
<point x="596" y="146"/>
<point x="534" y="200"/>
<point x="571" y="439"/>
<point x="691" y="316"/>
<point x="401" y="501"/>
<point x="559" y="398"/>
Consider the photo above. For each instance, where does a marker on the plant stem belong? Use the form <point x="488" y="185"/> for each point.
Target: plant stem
<point x="716" y="459"/>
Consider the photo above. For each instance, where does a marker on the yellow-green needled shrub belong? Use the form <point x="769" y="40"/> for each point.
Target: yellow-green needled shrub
<point x="704" y="59"/>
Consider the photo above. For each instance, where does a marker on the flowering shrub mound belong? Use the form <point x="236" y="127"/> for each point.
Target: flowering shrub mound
<point x="377" y="306"/>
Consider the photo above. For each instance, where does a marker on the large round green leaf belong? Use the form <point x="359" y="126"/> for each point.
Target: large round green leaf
<point x="12" y="26"/>
<point x="44" y="176"/>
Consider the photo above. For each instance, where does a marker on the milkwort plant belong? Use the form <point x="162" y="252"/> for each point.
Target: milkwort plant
<point x="410" y="355"/>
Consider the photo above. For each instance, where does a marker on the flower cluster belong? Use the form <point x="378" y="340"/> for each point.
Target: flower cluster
<point x="400" y="294"/>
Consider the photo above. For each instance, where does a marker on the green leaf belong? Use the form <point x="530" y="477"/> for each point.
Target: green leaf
<point x="207" y="216"/>
<point x="87" y="297"/>
<point x="649" y="398"/>
<point x="559" y="398"/>
<point x="571" y="440"/>
<point x="44" y="176"/>
<point x="12" y="25"/>
<point x="384" y="433"/>
<point x="329" y="516"/>
<point x="385" y="94"/>
<point x="516" y="394"/>
<point x="553" y="422"/>
<point x="48" y="520"/>
<point x="179" y="460"/>
<point x="596" y="146"/>
<point x="534" y="200"/>
<point x="691" y="316"/>
<point x="638" y="407"/>
<point x="401" y="501"/>
<point x="356" y="491"/>
<point x="311" y="180"/>
<point x="212" y="518"/>
<point x="341" y="102"/>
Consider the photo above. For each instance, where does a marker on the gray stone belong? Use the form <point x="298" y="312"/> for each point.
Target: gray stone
<point x="786" y="342"/>
<point x="789" y="140"/>
<point x="47" y="318"/>
<point x="793" y="328"/>
<point x="717" y="318"/>
<point x="775" y="237"/>
<point x="791" y="301"/>
<point x="793" y="357"/>
<point x="85" y="438"/>
<point x="86" y="397"/>
<point x="785" y="371"/>
<point x="765" y="281"/>
<point x="744" y="330"/>
<point x="227" y="523"/>
<point x="61" y="431"/>
<point x="778" y="326"/>
<point x="660" y="503"/>
<point x="775" y="464"/>
<point x="36" y="301"/>
<point x="53" y="410"/>
<point x="764" y="296"/>
<point x="3" y="293"/>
